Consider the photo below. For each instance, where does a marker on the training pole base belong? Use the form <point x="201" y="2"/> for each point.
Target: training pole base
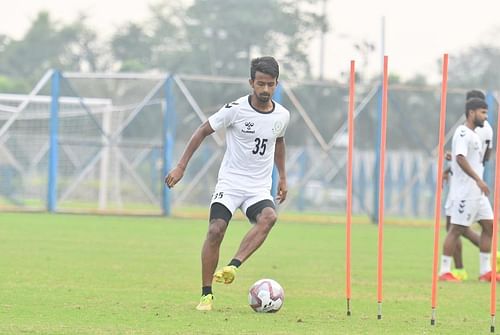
<point x="492" y="329"/>
<point x="433" y="322"/>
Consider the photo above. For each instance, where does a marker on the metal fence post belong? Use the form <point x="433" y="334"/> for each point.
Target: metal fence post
<point x="53" y="141"/>
<point x="168" y="141"/>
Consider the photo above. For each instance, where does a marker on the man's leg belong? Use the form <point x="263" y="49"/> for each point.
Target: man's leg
<point x="210" y="250"/>
<point x="219" y="219"/>
<point x="459" y="270"/>
<point x="472" y="236"/>
<point x="257" y="234"/>
<point x="457" y="254"/>
<point x="449" y="248"/>
<point x="485" y="252"/>
<point x="264" y="216"/>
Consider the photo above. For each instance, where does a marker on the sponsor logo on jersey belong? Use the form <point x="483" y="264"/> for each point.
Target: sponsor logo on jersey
<point x="248" y="128"/>
<point x="278" y="127"/>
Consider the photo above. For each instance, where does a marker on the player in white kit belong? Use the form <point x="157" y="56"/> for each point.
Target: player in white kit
<point x="468" y="192"/>
<point x="255" y="127"/>
<point x="486" y="136"/>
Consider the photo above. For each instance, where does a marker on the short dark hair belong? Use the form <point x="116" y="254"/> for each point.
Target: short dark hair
<point x="475" y="94"/>
<point x="267" y="65"/>
<point x="473" y="104"/>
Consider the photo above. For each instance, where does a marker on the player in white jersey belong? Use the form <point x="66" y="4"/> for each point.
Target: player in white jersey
<point x="255" y="127"/>
<point x="486" y="136"/>
<point x="469" y="192"/>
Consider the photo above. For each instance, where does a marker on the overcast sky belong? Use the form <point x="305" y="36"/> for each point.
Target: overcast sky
<point x="417" y="32"/>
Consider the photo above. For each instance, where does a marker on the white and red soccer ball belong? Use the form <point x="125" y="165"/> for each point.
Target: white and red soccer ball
<point x="266" y="296"/>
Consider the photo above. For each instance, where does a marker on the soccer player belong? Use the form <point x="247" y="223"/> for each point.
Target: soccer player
<point x="469" y="193"/>
<point x="486" y="135"/>
<point x="255" y="127"/>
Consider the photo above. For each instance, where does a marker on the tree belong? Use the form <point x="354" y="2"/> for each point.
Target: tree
<point x="478" y="67"/>
<point x="220" y="37"/>
<point x="133" y="47"/>
<point x="48" y="44"/>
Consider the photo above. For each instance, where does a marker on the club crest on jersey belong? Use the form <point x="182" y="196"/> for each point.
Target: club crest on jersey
<point x="248" y="128"/>
<point x="278" y="127"/>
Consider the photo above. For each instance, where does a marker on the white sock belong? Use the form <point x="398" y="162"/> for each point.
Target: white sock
<point x="484" y="262"/>
<point x="445" y="264"/>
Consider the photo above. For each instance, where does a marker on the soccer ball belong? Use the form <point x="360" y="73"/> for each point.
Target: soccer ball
<point x="266" y="296"/>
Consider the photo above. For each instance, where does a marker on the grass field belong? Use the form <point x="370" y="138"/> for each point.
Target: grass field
<point x="77" y="274"/>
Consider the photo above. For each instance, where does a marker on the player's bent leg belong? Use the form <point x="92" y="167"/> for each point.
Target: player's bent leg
<point x="264" y="222"/>
<point x="485" y="237"/>
<point x="472" y="236"/>
<point x="457" y="255"/>
<point x="452" y="238"/>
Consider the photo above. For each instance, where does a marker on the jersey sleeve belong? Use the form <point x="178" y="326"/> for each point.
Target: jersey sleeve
<point x="223" y="118"/>
<point x="285" y="125"/>
<point x="461" y="143"/>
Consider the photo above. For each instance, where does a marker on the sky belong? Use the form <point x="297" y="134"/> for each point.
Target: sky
<point x="417" y="33"/>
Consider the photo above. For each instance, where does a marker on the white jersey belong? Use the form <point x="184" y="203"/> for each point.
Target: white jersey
<point x="250" y="140"/>
<point x="468" y="144"/>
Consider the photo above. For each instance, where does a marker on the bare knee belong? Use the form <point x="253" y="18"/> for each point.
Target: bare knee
<point x="216" y="231"/>
<point x="487" y="226"/>
<point x="267" y="218"/>
<point x="456" y="231"/>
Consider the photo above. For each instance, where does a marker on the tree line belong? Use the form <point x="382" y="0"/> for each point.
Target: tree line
<point x="215" y="37"/>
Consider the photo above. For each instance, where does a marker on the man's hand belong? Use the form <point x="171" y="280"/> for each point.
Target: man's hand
<point x="282" y="191"/>
<point x="447" y="155"/>
<point x="484" y="188"/>
<point x="174" y="176"/>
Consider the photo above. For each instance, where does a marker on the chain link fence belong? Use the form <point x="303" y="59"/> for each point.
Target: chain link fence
<point x="106" y="145"/>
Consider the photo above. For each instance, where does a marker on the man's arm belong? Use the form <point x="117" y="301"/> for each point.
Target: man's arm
<point x="279" y="160"/>
<point x="199" y="135"/>
<point x="464" y="165"/>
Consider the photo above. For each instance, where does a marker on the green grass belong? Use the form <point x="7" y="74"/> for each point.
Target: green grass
<point x="71" y="274"/>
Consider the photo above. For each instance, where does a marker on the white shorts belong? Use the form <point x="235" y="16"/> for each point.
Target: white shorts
<point x="233" y="199"/>
<point x="466" y="212"/>
<point x="447" y="206"/>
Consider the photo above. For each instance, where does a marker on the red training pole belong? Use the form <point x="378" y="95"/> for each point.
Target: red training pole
<point x="494" y="239"/>
<point x="350" y="149"/>
<point x="439" y="187"/>
<point x="381" y="188"/>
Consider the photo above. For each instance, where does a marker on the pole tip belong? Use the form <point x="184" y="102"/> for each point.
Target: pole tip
<point x="348" y="313"/>
<point x="433" y="322"/>
<point x="492" y="329"/>
<point x="379" y="317"/>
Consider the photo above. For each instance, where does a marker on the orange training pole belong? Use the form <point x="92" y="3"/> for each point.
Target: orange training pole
<point x="437" y="210"/>
<point x="350" y="149"/>
<point x="494" y="241"/>
<point x="381" y="188"/>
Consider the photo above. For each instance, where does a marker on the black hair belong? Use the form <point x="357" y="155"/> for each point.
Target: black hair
<point x="267" y="65"/>
<point x="475" y="94"/>
<point x="473" y="104"/>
